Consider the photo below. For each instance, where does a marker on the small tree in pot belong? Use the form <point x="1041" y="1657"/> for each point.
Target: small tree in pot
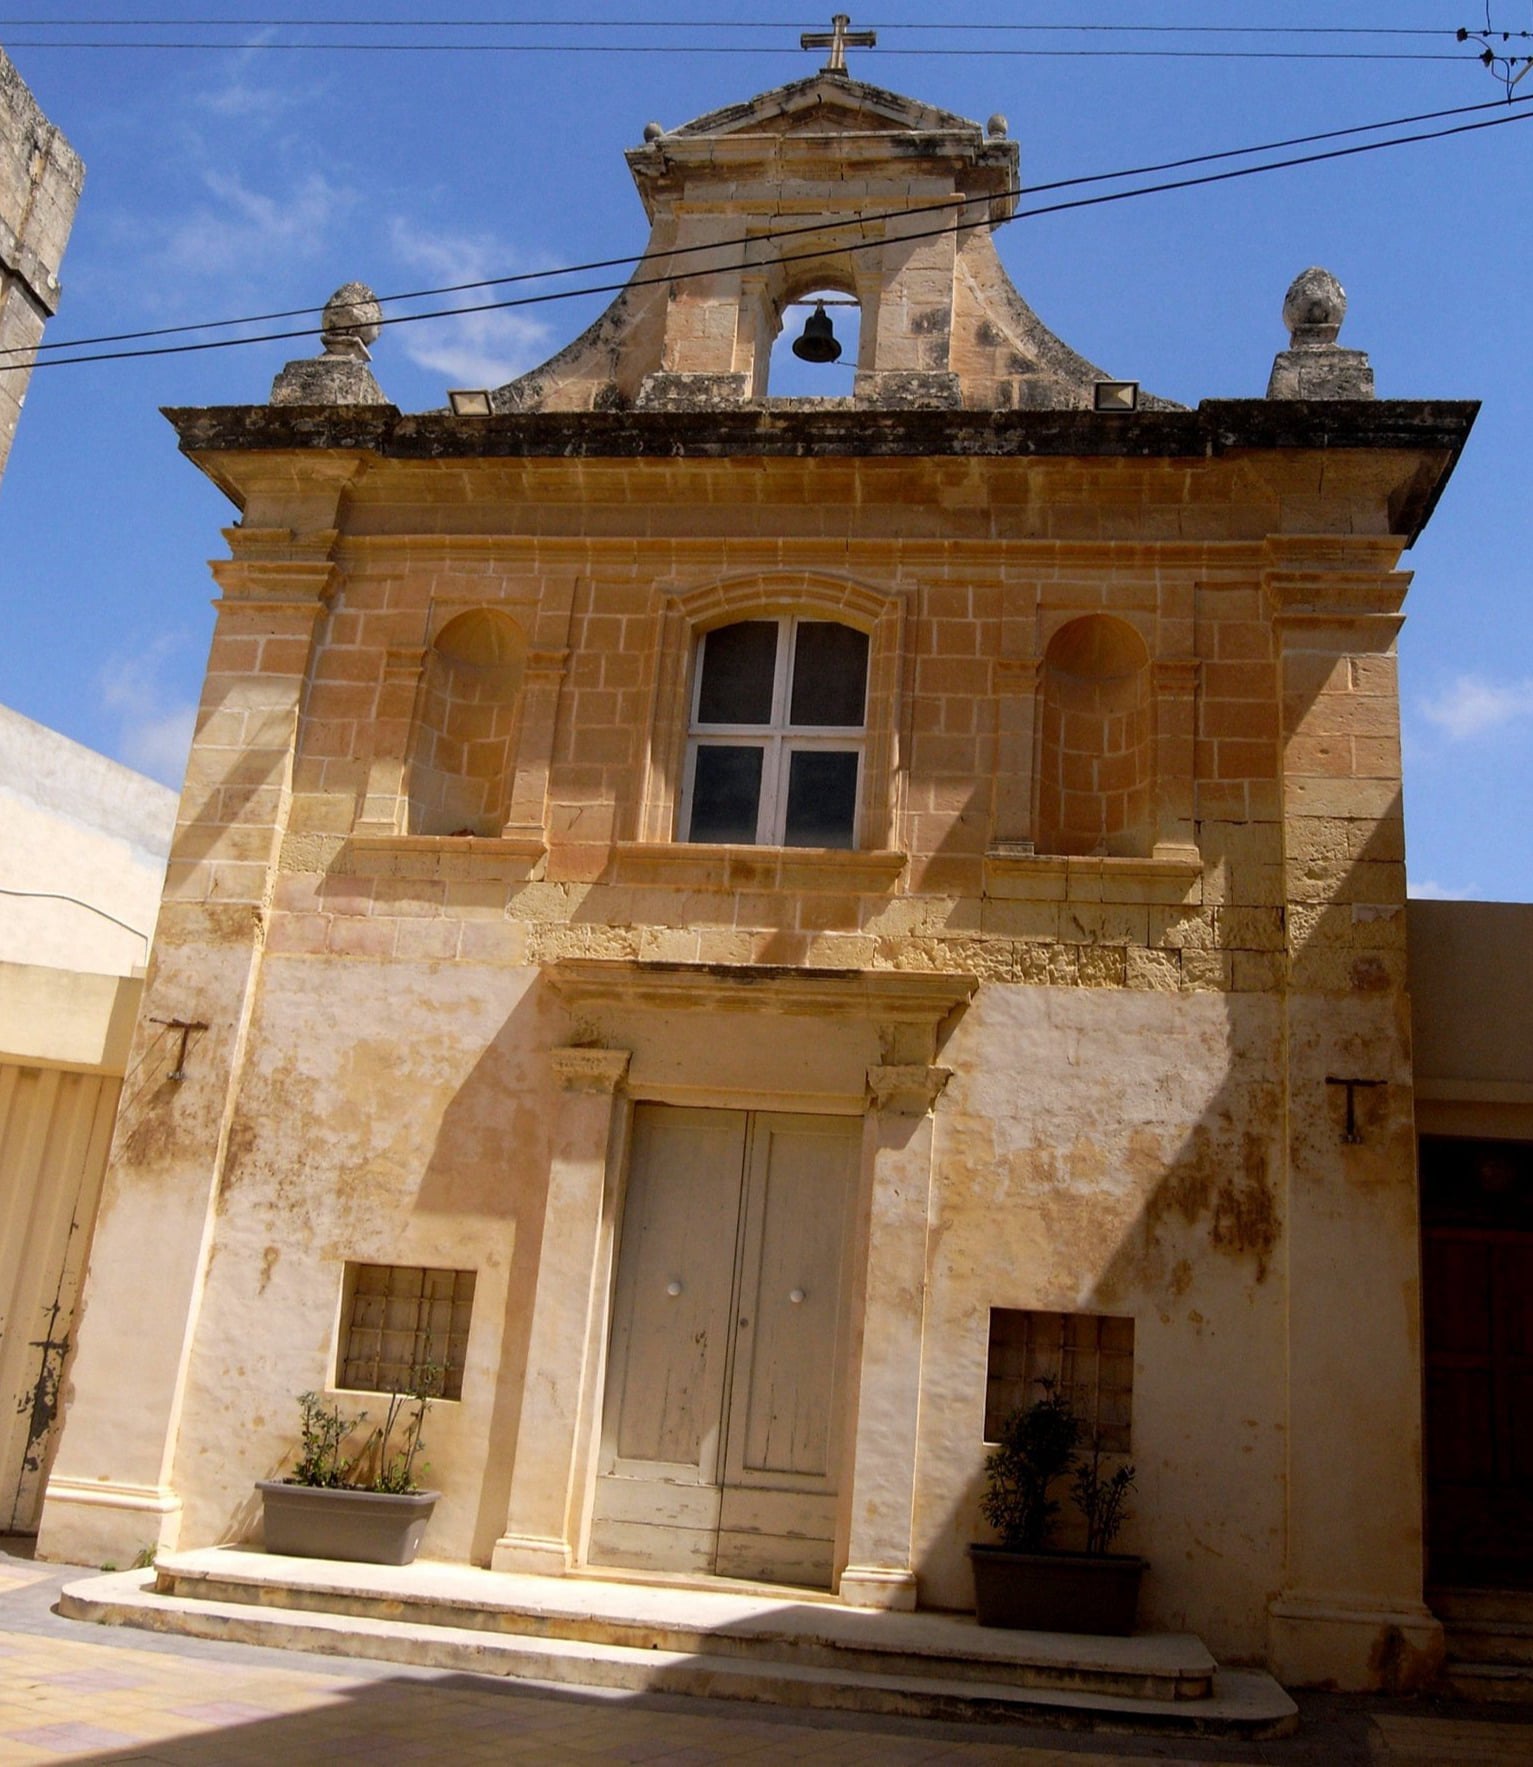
<point x="365" y="1507"/>
<point x="1024" y="1581"/>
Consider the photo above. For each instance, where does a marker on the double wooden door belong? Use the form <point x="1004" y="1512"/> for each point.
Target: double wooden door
<point x="721" y="1428"/>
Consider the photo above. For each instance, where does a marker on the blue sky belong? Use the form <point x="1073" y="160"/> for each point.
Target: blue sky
<point x="238" y="180"/>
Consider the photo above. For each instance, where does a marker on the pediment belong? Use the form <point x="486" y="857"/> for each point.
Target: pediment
<point x="827" y="104"/>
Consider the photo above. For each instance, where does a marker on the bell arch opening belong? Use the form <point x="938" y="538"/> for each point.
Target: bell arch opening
<point x="462" y="746"/>
<point x="1095" y="742"/>
<point x="789" y="375"/>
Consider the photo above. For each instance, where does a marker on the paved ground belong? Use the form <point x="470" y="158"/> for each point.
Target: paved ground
<point x="72" y="1692"/>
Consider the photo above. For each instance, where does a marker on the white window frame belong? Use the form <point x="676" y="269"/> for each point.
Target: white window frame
<point x="778" y="740"/>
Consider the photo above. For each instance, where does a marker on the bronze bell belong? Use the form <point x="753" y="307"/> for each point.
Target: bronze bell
<point x="817" y="342"/>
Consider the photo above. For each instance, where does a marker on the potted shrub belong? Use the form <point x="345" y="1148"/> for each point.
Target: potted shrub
<point x="364" y="1507"/>
<point x="1024" y="1581"/>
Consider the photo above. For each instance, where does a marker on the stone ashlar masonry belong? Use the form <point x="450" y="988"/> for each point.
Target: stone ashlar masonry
<point x="1263" y="588"/>
<point x="40" y="180"/>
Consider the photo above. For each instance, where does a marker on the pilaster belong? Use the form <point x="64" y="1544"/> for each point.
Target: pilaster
<point x="891" y="1310"/>
<point x="564" y="1347"/>
<point x="112" y="1491"/>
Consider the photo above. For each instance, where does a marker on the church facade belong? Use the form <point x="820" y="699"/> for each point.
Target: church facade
<point x="737" y="933"/>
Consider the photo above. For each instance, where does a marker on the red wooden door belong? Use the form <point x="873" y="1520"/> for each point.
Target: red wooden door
<point x="1479" y="1404"/>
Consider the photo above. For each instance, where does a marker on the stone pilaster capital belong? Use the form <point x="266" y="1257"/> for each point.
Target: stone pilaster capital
<point x="907" y="1091"/>
<point x="589" y="1070"/>
<point x="1017" y="674"/>
<point x="545" y="665"/>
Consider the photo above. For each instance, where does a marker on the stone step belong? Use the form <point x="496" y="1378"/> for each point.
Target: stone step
<point x="1489" y="1641"/>
<point x="1514" y="1606"/>
<point x="766" y="1626"/>
<point x="1239" y="1703"/>
<point x="1508" y="1683"/>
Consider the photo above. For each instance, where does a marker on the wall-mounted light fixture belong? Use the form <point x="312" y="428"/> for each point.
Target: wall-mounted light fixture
<point x="1115" y="395"/>
<point x="469" y="401"/>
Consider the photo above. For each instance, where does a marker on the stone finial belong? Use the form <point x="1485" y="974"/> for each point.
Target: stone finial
<point x="653" y="131"/>
<point x="1314" y="308"/>
<point x="1314" y="366"/>
<point x="352" y="321"/>
<point x="996" y="128"/>
<point x="340" y="375"/>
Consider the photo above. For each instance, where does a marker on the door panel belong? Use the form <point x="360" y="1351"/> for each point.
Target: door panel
<point x="723" y="1385"/>
<point x="786" y="1360"/>
<point x="671" y="1327"/>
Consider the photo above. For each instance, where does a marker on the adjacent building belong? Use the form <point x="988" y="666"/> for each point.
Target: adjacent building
<point x="40" y="180"/>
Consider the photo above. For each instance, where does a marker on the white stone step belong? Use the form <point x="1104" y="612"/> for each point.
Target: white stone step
<point x="1507" y="1683"/>
<point x="1245" y="1703"/>
<point x="764" y="1624"/>
<point x="1489" y="1641"/>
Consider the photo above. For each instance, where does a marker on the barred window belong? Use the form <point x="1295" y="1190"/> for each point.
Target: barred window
<point x="404" y="1329"/>
<point x="1088" y="1356"/>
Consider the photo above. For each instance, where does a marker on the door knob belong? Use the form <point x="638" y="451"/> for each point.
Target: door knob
<point x="795" y="1295"/>
<point x="673" y="1288"/>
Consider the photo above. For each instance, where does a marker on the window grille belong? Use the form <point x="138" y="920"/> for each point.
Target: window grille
<point x="1088" y="1356"/>
<point x="405" y="1329"/>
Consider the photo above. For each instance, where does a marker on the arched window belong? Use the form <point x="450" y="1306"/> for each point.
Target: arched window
<point x="1095" y="741"/>
<point x="461" y="755"/>
<point x="777" y="733"/>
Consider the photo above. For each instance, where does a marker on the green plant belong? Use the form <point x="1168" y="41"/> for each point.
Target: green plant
<point x="144" y="1559"/>
<point x="1036" y="1448"/>
<point x="396" y="1471"/>
<point x="378" y="1465"/>
<point x="323" y="1430"/>
<point x="1101" y="1501"/>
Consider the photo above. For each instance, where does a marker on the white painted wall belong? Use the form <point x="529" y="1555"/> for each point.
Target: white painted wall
<point x="83" y="843"/>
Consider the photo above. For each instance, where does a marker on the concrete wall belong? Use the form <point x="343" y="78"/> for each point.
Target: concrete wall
<point x="1471" y="980"/>
<point x="83" y="843"/>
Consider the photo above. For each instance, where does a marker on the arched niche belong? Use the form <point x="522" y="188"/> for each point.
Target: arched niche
<point x="462" y="747"/>
<point x="1096" y="742"/>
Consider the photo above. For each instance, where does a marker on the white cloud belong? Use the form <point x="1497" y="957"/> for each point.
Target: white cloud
<point x="1471" y="705"/>
<point x="470" y="349"/>
<point x="1429" y="891"/>
<point x="154" y="725"/>
<point x="241" y="230"/>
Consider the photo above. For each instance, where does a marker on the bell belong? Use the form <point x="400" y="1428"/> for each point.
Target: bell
<point x="817" y="343"/>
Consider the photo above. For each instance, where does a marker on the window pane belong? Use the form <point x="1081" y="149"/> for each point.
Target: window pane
<point x="738" y="665"/>
<point x="830" y="675"/>
<point x="822" y="798"/>
<point x="726" y="792"/>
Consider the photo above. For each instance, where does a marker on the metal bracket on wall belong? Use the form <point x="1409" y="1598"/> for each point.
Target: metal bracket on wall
<point x="1350" y="1134"/>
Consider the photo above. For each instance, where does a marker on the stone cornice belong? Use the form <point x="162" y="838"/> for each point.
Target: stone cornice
<point x="880" y="996"/>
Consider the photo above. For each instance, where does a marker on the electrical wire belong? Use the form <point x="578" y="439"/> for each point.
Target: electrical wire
<point x="674" y="49"/>
<point x="692" y="24"/>
<point x="1081" y="202"/>
<point x="637" y="258"/>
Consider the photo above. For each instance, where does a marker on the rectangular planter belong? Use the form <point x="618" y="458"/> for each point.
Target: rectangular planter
<point x="366" y="1527"/>
<point x="1096" y="1593"/>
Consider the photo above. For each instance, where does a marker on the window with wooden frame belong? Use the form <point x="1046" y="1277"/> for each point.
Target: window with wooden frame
<point x="776" y="740"/>
<point x="404" y="1329"/>
<point x="1088" y="1356"/>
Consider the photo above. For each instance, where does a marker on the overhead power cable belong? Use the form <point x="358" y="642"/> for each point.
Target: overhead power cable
<point x="944" y="28"/>
<point x="594" y="264"/>
<point x="675" y="49"/>
<point x="1520" y="114"/>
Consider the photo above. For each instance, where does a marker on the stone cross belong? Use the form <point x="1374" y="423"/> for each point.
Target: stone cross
<point x="837" y="40"/>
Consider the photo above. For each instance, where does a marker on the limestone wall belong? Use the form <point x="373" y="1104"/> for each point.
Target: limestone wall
<point x="40" y="180"/>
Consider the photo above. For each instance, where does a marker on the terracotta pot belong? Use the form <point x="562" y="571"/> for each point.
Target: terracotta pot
<point x="1056" y="1591"/>
<point x="367" y="1527"/>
